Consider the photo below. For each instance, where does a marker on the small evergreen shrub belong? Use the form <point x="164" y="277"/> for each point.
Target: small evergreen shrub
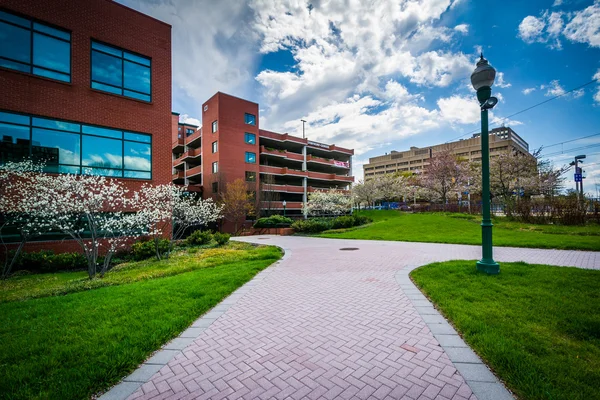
<point x="198" y="238"/>
<point x="361" y="220"/>
<point x="221" y="238"/>
<point x="145" y="249"/>
<point x="346" y="221"/>
<point x="47" y="261"/>
<point x="311" y="225"/>
<point x="273" y="221"/>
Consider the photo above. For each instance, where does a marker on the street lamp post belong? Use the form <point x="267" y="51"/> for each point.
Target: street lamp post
<point x="482" y="80"/>
<point x="284" y="204"/>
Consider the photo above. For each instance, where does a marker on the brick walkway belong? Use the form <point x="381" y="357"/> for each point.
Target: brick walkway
<point x="327" y="323"/>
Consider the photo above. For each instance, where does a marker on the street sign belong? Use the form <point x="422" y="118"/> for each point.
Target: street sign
<point x="578" y="170"/>
<point x="578" y="178"/>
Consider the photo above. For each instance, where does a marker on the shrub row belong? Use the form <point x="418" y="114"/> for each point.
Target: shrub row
<point x="316" y="225"/>
<point x="273" y="221"/>
<point x="46" y="261"/>
<point x="199" y="238"/>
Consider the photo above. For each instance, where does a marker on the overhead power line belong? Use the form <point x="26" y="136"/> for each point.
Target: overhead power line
<point x="529" y="108"/>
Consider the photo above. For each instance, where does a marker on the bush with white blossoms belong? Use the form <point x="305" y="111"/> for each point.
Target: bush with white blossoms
<point x="328" y="202"/>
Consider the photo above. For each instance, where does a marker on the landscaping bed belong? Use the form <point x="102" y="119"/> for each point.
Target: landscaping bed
<point x="536" y="326"/>
<point x="466" y="229"/>
<point x="64" y="336"/>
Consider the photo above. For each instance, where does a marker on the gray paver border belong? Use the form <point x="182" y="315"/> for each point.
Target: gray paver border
<point x="160" y="358"/>
<point x="483" y="383"/>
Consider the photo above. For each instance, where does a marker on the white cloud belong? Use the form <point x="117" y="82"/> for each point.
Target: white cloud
<point x="457" y="109"/>
<point x="554" y="89"/>
<point x="500" y="81"/>
<point x="186" y="119"/>
<point x="582" y="26"/>
<point x="462" y="28"/>
<point x="528" y="90"/>
<point x="578" y="93"/>
<point x="557" y="3"/>
<point x="597" y="95"/>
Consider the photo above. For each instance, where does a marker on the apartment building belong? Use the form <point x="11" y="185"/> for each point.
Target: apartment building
<point x="415" y="160"/>
<point x="87" y="86"/>
<point x="276" y="167"/>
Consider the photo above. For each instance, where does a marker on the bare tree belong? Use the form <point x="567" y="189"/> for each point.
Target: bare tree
<point x="238" y="202"/>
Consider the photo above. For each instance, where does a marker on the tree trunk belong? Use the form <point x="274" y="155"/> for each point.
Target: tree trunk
<point x="8" y="265"/>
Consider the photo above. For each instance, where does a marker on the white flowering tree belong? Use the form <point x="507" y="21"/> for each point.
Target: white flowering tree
<point x="22" y="207"/>
<point x="92" y="211"/>
<point x="328" y="202"/>
<point x="189" y="212"/>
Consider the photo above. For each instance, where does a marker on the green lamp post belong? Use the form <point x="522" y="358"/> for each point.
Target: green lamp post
<point x="482" y="80"/>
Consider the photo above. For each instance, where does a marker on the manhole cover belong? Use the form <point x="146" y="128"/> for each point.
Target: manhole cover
<point x="349" y="248"/>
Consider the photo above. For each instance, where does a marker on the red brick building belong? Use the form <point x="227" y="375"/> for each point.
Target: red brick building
<point x="279" y="167"/>
<point x="87" y="83"/>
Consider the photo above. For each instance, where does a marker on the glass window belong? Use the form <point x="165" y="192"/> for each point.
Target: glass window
<point x="34" y="48"/>
<point x="215" y="167"/>
<point x="250" y="138"/>
<point x="214" y="147"/>
<point x="14" y="142"/>
<point x="68" y="147"/>
<point x="190" y="131"/>
<point x="138" y="156"/>
<point x="214" y="126"/>
<point x="55" y="147"/>
<point x="250" y="157"/>
<point x="250" y="176"/>
<point x="120" y="72"/>
<point x="215" y="187"/>
<point x="250" y="119"/>
<point x="101" y="152"/>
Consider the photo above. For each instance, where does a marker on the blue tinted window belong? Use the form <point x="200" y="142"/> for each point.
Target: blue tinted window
<point x="250" y="138"/>
<point x="55" y="147"/>
<point x="120" y="72"/>
<point x="101" y="152"/>
<point x="14" y="142"/>
<point x="15" y="43"/>
<point x="94" y="130"/>
<point x="138" y="137"/>
<point x="54" y="124"/>
<point x="69" y="147"/>
<point x="16" y="118"/>
<point x="250" y="119"/>
<point x="107" y="69"/>
<point x="137" y="156"/>
<point x="50" y="47"/>
<point x="250" y="157"/>
<point x="51" y="54"/>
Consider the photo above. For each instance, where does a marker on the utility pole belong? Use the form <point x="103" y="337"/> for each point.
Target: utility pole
<point x="303" y="122"/>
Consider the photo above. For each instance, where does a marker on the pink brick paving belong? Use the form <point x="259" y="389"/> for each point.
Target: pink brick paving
<point x="330" y="324"/>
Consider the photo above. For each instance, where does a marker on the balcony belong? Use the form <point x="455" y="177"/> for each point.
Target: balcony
<point x="328" y="161"/>
<point x="282" y="154"/>
<point x="281" y="171"/>
<point x="283" y="188"/>
<point x="311" y="189"/>
<point x="178" y="145"/>
<point x="330" y="177"/>
<point x="194" y="171"/>
<point x="194" y="139"/>
<point x="278" y="205"/>
<point x="194" y="188"/>
<point x="178" y="177"/>
<point x="282" y="137"/>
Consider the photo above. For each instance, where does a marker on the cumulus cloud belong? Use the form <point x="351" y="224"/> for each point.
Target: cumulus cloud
<point x="582" y="26"/>
<point x="500" y="81"/>
<point x="462" y="28"/>
<point x="554" y="89"/>
<point x="186" y="119"/>
<point x="597" y="95"/>
<point x="529" y="90"/>
<point x="458" y="109"/>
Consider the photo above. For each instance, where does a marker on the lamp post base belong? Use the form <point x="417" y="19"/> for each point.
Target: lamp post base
<point x="490" y="267"/>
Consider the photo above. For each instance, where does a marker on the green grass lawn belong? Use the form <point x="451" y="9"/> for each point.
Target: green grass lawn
<point x="536" y="326"/>
<point x="466" y="229"/>
<point x="72" y="346"/>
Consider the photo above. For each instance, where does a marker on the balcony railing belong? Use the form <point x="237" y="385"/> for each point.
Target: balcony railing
<point x="194" y="137"/>
<point x="178" y="175"/>
<point x="278" y="205"/>
<point x="330" y="177"/>
<point x="178" y="144"/>
<point x="328" y="161"/>
<point x="194" y="171"/>
<point x="282" y="153"/>
<point x="265" y="169"/>
<point x="283" y="188"/>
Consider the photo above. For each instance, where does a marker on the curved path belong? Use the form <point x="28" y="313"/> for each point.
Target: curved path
<point x="326" y="323"/>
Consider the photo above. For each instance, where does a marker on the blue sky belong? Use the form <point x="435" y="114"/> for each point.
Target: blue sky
<point x="382" y="75"/>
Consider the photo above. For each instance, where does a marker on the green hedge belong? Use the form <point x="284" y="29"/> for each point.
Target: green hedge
<point x="316" y="225"/>
<point x="47" y="261"/>
<point x="145" y="249"/>
<point x="198" y="238"/>
<point x="273" y="221"/>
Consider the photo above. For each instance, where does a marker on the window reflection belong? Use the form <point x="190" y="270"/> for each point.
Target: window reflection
<point x="38" y="49"/>
<point x="68" y="147"/>
<point x="137" y="156"/>
<point x="101" y="152"/>
<point x="120" y="72"/>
